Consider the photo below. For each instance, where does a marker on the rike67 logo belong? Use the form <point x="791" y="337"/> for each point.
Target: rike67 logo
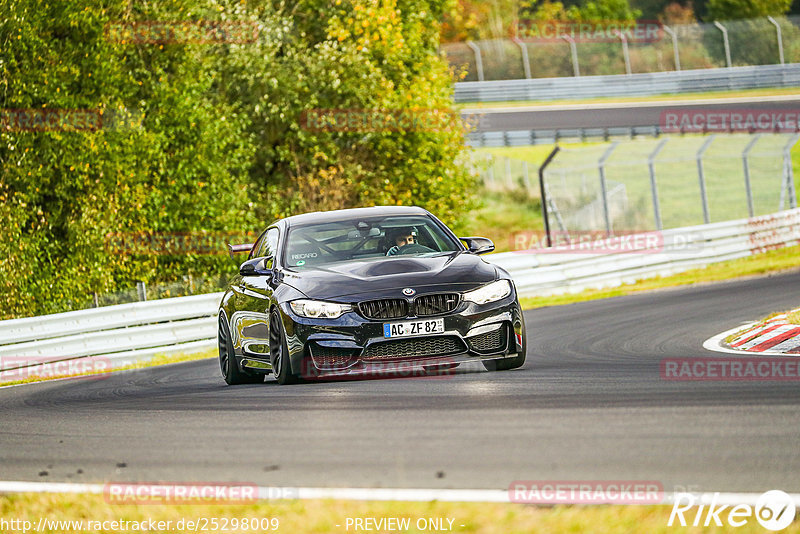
<point x="774" y="510"/>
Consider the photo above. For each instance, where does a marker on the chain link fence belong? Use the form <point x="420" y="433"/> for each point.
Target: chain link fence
<point x="765" y="41"/>
<point x="655" y="184"/>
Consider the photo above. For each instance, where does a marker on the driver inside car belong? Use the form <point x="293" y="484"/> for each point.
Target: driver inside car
<point x="401" y="238"/>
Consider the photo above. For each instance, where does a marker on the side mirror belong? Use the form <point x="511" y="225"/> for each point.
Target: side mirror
<point x="478" y="245"/>
<point x="255" y="267"/>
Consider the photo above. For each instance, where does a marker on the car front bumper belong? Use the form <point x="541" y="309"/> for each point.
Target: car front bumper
<point x="354" y="345"/>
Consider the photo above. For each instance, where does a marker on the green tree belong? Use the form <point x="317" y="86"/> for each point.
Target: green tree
<point x="215" y="142"/>
<point x="745" y="9"/>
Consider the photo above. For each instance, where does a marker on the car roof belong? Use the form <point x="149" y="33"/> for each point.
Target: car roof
<point x="350" y="214"/>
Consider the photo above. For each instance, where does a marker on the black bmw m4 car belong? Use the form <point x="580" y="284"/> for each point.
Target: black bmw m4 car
<point x="353" y="292"/>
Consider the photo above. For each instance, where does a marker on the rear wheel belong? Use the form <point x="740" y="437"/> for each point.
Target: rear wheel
<point x="281" y="364"/>
<point x="227" y="358"/>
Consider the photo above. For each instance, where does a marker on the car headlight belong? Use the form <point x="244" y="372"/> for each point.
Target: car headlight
<point x="316" y="309"/>
<point x="489" y="293"/>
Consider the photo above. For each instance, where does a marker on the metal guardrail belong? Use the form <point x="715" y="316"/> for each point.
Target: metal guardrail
<point x="123" y="333"/>
<point x="647" y="84"/>
<point x="107" y="318"/>
<point x="131" y="332"/>
<point x="542" y="272"/>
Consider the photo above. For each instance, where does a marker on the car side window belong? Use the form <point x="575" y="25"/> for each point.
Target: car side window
<point x="268" y="246"/>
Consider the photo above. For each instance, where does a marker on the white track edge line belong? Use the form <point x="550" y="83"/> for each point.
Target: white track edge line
<point x="380" y="494"/>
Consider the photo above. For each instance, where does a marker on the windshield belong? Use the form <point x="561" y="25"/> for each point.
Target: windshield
<point x="358" y="239"/>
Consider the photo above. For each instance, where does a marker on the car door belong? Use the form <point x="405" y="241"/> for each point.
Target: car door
<point x="252" y="294"/>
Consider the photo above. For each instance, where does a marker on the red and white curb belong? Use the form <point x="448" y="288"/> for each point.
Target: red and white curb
<point x="775" y="337"/>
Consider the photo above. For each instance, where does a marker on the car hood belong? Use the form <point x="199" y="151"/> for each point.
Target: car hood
<point x="383" y="275"/>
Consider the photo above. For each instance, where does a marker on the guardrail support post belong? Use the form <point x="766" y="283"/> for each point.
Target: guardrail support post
<point x="544" y="195"/>
<point x="725" y="42"/>
<point x="576" y="70"/>
<point x="651" y="165"/>
<point x="788" y="174"/>
<point x="141" y="290"/>
<point x="674" y="46"/>
<point x="701" y="177"/>
<point x="601" y="166"/>
<point x="625" y="53"/>
<point x="526" y="63"/>
<point x="746" y="167"/>
<point x="780" y="39"/>
<point x="478" y="59"/>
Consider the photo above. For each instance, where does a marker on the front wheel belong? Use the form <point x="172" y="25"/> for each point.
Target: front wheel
<point x="227" y="358"/>
<point x="507" y="364"/>
<point x="281" y="364"/>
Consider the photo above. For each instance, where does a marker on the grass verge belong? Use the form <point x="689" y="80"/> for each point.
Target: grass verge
<point x="330" y="516"/>
<point x="758" y="264"/>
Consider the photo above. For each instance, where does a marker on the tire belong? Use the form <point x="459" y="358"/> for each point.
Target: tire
<point x="227" y="358"/>
<point x="507" y="364"/>
<point x="279" y="351"/>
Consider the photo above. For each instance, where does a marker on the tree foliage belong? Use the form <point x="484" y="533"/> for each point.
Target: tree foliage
<point x="745" y="9"/>
<point x="205" y="137"/>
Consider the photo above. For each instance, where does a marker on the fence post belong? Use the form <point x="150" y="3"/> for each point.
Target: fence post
<point x="525" y="177"/>
<point x="674" y="46"/>
<point x="702" y="178"/>
<point x="526" y="63"/>
<point x="478" y="59"/>
<point x="141" y="290"/>
<point x="601" y="166"/>
<point x="625" y="53"/>
<point x="544" y="194"/>
<point x="509" y="181"/>
<point x="576" y="70"/>
<point x="725" y="42"/>
<point x="651" y="165"/>
<point x="746" y="166"/>
<point x="780" y="38"/>
<point x="788" y="174"/>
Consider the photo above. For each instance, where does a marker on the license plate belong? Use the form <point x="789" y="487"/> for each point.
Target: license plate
<point x="413" y="328"/>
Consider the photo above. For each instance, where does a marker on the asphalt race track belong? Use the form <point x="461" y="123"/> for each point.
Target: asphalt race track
<point x="611" y="115"/>
<point x="588" y="405"/>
